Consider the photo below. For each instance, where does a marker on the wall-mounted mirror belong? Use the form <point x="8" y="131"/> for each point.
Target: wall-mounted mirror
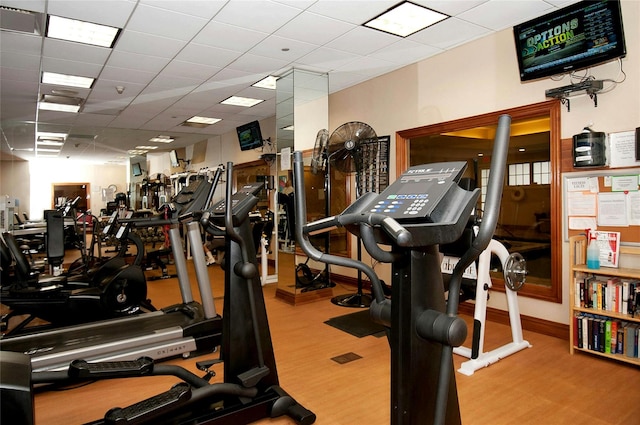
<point x="301" y="111"/>
<point x="529" y="221"/>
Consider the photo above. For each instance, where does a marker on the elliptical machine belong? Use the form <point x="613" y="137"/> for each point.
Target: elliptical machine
<point x="423" y="208"/>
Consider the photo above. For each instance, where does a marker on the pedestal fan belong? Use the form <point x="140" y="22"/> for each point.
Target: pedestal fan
<point x="353" y="149"/>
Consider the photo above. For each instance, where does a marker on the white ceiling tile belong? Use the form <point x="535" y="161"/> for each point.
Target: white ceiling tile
<point x="71" y="67"/>
<point x="259" y="65"/>
<point x="366" y="65"/>
<point x="203" y="9"/>
<point x="448" y="7"/>
<point x="501" y="14"/>
<point x="137" y="61"/>
<point x="19" y="74"/>
<point x="165" y="23"/>
<point x="362" y="41"/>
<point x="126" y="76"/>
<point x="18" y="60"/>
<point x="148" y="44"/>
<point x="207" y="55"/>
<point x="28" y="44"/>
<point x="405" y="51"/>
<point x="32" y="5"/>
<point x="448" y="33"/>
<point x="354" y="11"/>
<point x="114" y="13"/>
<point x="326" y="59"/>
<point x="263" y="16"/>
<point x="273" y="47"/>
<point x="197" y="72"/>
<point x="315" y="29"/>
<point x="229" y="37"/>
<point x="60" y="49"/>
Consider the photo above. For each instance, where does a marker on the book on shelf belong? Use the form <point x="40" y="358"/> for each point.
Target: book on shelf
<point x="606" y="335"/>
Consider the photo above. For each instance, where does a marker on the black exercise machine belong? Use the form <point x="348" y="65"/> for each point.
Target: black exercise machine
<point x="184" y="329"/>
<point x="250" y="390"/>
<point x="423" y="208"/>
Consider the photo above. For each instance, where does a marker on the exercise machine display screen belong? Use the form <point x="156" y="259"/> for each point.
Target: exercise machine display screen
<point x="415" y="195"/>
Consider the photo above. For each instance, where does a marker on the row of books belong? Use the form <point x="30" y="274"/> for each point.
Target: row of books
<point x="607" y="293"/>
<point x="606" y="335"/>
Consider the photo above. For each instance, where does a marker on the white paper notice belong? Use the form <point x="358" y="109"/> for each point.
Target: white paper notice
<point x="622" y="149"/>
<point x="579" y="184"/>
<point x="285" y="158"/>
<point x="581" y="223"/>
<point x="581" y="204"/>
<point x="612" y="209"/>
<point x="624" y="183"/>
<point x="633" y="208"/>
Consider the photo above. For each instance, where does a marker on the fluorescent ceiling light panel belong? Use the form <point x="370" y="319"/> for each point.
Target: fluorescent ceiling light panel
<point x="267" y="83"/>
<point x="51" y="135"/>
<point x="60" y="103"/>
<point x="59" y="107"/>
<point x="67" y="80"/>
<point x="136" y="152"/>
<point x="241" y="101"/>
<point x="48" y="150"/>
<point x="47" y="142"/>
<point x="81" y="32"/>
<point x="287" y="128"/>
<point x="147" y="147"/>
<point x="162" y="139"/>
<point x="200" y="122"/>
<point x="405" y="19"/>
<point x="203" y="120"/>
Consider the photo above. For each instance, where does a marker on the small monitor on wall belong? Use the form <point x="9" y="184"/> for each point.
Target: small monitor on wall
<point x="136" y="170"/>
<point x="175" y="162"/>
<point x="578" y="36"/>
<point x="249" y="136"/>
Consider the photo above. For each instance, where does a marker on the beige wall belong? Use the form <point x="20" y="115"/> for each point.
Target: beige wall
<point x="482" y="77"/>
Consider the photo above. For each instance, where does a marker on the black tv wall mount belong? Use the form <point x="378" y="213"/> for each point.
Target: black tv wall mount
<point x="591" y="87"/>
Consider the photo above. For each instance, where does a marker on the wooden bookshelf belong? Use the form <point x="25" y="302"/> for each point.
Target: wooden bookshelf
<point x="579" y="270"/>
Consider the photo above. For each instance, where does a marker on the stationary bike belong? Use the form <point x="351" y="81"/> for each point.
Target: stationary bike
<point x="423" y="208"/>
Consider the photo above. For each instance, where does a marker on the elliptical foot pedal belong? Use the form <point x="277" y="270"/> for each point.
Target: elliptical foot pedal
<point x="251" y="377"/>
<point x="150" y="408"/>
<point x="122" y="369"/>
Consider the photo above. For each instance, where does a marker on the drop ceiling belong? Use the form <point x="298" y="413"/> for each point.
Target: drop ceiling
<point x="180" y="58"/>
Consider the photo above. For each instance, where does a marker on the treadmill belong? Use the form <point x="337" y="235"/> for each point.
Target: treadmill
<point x="184" y="329"/>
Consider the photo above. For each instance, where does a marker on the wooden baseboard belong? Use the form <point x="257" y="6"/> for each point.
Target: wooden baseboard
<point x="533" y="324"/>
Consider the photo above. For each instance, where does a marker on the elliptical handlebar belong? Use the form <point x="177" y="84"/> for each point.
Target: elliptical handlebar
<point x="303" y="230"/>
<point x="492" y="211"/>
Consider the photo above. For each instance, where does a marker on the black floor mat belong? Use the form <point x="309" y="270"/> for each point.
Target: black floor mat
<point x="358" y="324"/>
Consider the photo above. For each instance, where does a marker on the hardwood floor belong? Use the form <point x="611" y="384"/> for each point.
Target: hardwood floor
<point x="540" y="385"/>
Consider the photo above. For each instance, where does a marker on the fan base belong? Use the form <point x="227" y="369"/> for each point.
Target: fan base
<point x="357" y="300"/>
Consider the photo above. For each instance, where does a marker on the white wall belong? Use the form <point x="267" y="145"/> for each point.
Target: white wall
<point x="482" y="77"/>
<point x="44" y="173"/>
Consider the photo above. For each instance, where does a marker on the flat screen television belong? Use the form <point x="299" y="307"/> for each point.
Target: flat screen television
<point x="578" y="36"/>
<point x="136" y="170"/>
<point x="249" y="136"/>
<point x="173" y="156"/>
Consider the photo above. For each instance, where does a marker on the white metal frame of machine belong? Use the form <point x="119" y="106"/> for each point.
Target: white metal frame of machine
<point x="478" y="358"/>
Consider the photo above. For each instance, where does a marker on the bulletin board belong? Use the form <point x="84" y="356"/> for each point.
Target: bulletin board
<point x="606" y="199"/>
